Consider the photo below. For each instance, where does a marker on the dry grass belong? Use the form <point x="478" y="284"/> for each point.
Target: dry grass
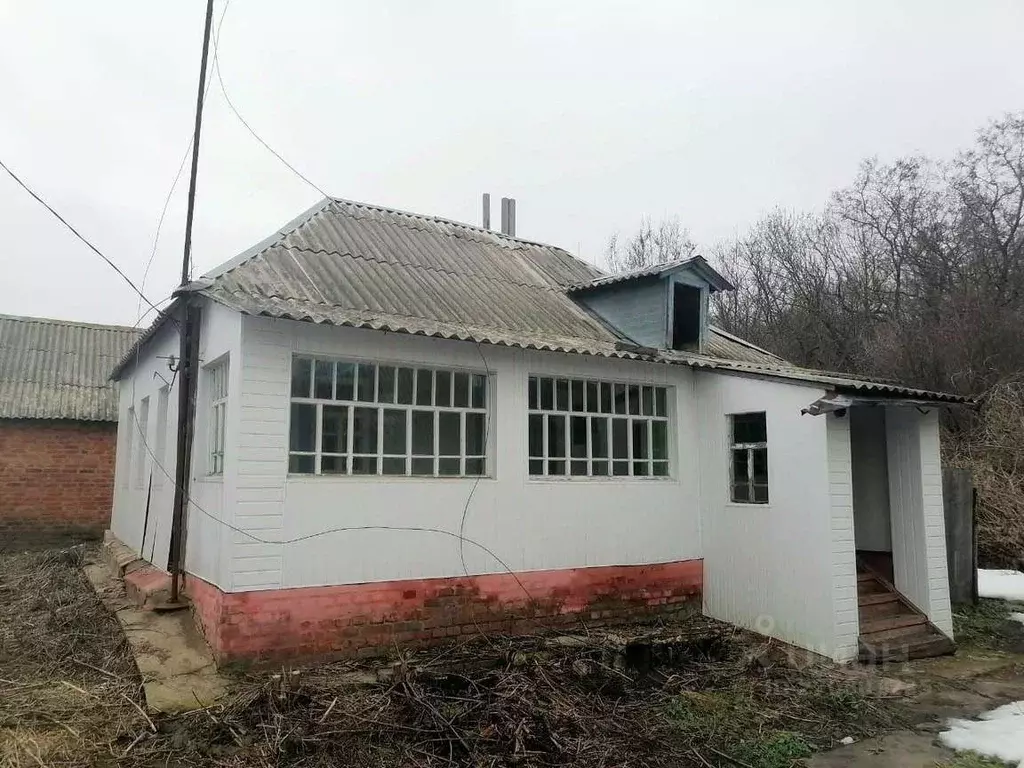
<point x="689" y="693"/>
<point x="994" y="452"/>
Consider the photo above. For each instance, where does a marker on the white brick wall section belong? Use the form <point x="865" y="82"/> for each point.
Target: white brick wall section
<point x="844" y="564"/>
<point x="939" y="611"/>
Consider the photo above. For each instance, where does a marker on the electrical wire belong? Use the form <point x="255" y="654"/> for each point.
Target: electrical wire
<point x="77" y="234"/>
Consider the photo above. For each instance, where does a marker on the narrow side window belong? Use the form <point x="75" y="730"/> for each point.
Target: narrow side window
<point x="748" y="461"/>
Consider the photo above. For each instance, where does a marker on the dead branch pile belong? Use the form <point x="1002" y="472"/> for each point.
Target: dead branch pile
<point x="994" y="452"/>
<point x="68" y="683"/>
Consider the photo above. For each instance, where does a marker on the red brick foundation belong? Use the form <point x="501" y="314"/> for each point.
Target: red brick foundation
<point x="56" y="479"/>
<point x="365" y="619"/>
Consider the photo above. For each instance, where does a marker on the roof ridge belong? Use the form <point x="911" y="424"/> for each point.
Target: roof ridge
<point x="68" y="323"/>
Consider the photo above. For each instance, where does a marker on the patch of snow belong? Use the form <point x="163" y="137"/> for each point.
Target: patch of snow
<point x="1008" y="585"/>
<point x="1017" y="617"/>
<point x="998" y="734"/>
<point x="846" y="740"/>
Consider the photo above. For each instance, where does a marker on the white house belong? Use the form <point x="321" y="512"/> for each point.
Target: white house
<point x="408" y="428"/>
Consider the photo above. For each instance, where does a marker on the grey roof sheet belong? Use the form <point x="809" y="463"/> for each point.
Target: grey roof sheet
<point x="697" y="263"/>
<point x="52" y="369"/>
<point x="364" y="266"/>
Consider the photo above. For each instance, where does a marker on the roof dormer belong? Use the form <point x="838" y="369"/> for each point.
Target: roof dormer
<point x="664" y="306"/>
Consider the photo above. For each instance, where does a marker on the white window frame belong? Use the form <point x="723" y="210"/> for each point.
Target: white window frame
<point x="435" y="409"/>
<point x="659" y="413"/>
<point x="217" y="383"/>
<point x="128" y="462"/>
<point x="750" y="448"/>
<point x="162" y="400"/>
<point x="141" y="448"/>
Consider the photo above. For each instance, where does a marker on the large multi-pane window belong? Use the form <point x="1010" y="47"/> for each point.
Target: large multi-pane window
<point x="749" y="460"/>
<point x="357" y="418"/>
<point x="587" y="428"/>
<point x="217" y="377"/>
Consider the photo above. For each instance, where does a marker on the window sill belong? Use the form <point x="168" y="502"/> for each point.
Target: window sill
<point x="209" y="479"/>
<point x="748" y="505"/>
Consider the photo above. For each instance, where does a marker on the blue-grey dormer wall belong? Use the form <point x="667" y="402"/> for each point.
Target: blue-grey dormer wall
<point x="639" y="311"/>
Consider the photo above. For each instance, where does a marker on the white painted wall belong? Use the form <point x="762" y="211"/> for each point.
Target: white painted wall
<point x="844" y="557"/>
<point x="918" y="524"/>
<point x="220" y="335"/>
<point x="772" y="567"/>
<point x="870" y="478"/>
<point x="529" y="524"/>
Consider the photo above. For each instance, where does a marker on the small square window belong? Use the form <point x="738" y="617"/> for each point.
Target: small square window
<point x="748" y="461"/>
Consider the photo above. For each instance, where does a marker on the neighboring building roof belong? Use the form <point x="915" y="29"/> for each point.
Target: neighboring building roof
<point x="696" y="264"/>
<point x="53" y="369"/>
<point x="364" y="266"/>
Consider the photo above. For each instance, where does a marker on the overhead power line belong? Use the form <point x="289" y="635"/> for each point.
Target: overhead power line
<point x="79" y="235"/>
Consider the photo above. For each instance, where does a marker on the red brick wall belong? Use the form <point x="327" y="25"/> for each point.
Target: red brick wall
<point x="56" y="479"/>
<point x="364" y="619"/>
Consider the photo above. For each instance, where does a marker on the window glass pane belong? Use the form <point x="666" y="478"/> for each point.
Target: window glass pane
<point x="536" y="445"/>
<point x="661" y="469"/>
<point x="641" y="468"/>
<point x="606" y="397"/>
<point x="619" y="398"/>
<point x="659" y="438"/>
<point x="749" y="428"/>
<point x="461" y="387"/>
<point x="423" y="466"/>
<point x="302" y="377"/>
<point x="448" y="433"/>
<point x="475" y="427"/>
<point x="593" y="399"/>
<point x="634" y="399"/>
<point x="532" y="394"/>
<point x="323" y="380"/>
<point x="556" y="467"/>
<point x="448" y="466"/>
<point x="385" y="384"/>
<point x="620" y="439"/>
<point x="474" y="466"/>
<point x="405" y="381"/>
<point x="364" y="465"/>
<point x="760" y="466"/>
<point x="647" y="401"/>
<point x="536" y="467"/>
<point x="660" y="404"/>
<point x="364" y="431"/>
<point x="739" y="465"/>
<point x="333" y="465"/>
<point x="577" y="468"/>
<point x="346" y="381"/>
<point x="760" y="493"/>
<point x="334" y="437"/>
<point x="599" y="468"/>
<point x="366" y="382"/>
<point x="620" y="468"/>
<point x="547" y="394"/>
<point x="561" y="394"/>
<point x="578" y="438"/>
<point x="423" y="434"/>
<point x="394" y="433"/>
<point x="424" y="387"/>
<point x="300" y="465"/>
<point x="556" y="436"/>
<point x="303" y="428"/>
<point x="741" y="492"/>
<point x="443" y="388"/>
<point x="576" y="391"/>
<point x="479" y="388"/>
<point x="640" y="440"/>
<point x="393" y="466"/>
<point x="599" y="438"/>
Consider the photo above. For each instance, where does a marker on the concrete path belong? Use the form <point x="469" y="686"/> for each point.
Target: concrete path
<point x="177" y="667"/>
<point x="961" y="686"/>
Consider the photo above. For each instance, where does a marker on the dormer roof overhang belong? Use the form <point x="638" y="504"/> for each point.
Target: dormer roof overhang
<point x="694" y="265"/>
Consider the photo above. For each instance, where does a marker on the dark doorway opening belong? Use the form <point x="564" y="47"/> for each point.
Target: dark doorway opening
<point x="686" y="304"/>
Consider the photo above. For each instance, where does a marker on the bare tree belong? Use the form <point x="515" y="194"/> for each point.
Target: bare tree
<point x="668" y="240"/>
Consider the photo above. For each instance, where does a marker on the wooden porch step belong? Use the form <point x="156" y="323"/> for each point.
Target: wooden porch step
<point x="874" y="598"/>
<point x="892" y="624"/>
<point x="923" y="645"/>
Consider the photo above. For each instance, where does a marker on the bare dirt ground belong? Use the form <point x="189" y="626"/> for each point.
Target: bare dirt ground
<point x="687" y="693"/>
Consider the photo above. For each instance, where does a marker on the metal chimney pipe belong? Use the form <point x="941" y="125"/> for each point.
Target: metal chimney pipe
<point x="487" y="210"/>
<point x="511" y="217"/>
<point x="504" y="215"/>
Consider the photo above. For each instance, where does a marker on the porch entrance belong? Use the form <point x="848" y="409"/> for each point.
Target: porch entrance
<point x="888" y="547"/>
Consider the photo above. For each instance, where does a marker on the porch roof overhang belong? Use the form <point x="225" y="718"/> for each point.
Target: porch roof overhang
<point x="838" y="401"/>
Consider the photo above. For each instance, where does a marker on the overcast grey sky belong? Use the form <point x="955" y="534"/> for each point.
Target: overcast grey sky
<point x="592" y="114"/>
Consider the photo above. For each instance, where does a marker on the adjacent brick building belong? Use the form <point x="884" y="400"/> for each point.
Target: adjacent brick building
<point x="58" y="427"/>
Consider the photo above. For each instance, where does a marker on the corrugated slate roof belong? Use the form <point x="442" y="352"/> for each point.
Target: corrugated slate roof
<point x="52" y="369"/>
<point x="364" y="266"/>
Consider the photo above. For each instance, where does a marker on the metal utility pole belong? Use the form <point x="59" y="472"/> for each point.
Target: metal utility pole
<point x="188" y="357"/>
